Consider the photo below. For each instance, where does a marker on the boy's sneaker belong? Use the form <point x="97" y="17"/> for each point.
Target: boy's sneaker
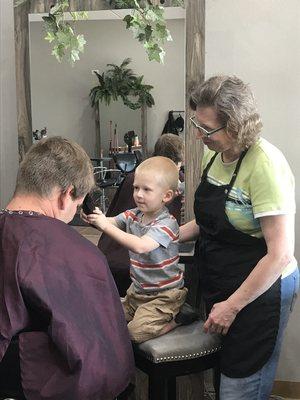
<point x="186" y="315"/>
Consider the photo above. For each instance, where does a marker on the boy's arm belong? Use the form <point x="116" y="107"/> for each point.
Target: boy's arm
<point x="131" y="242"/>
<point x="112" y="221"/>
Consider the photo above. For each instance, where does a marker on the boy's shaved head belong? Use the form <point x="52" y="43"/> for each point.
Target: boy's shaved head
<point x="163" y="170"/>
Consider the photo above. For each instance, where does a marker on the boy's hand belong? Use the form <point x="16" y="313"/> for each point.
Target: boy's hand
<point x="98" y="219"/>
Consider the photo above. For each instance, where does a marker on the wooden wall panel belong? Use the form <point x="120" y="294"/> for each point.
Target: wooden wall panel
<point x="23" y="78"/>
<point x="144" y="131"/>
<point x="195" y="69"/>
<point x="41" y="6"/>
<point x="8" y="106"/>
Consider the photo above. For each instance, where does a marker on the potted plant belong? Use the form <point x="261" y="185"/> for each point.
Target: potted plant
<point x="120" y="82"/>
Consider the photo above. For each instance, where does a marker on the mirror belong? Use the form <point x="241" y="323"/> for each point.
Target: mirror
<point x="60" y="93"/>
<point x="123" y="119"/>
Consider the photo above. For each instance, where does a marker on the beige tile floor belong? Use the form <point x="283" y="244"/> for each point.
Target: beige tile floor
<point x="89" y="233"/>
<point x="93" y="235"/>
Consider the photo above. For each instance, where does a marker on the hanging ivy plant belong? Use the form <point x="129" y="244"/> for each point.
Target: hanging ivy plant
<point x="61" y="33"/>
<point x="147" y="23"/>
<point x="120" y="82"/>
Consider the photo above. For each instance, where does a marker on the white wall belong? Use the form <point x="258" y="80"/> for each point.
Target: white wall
<point x="8" y="109"/>
<point x="259" y="41"/>
<point x="60" y="93"/>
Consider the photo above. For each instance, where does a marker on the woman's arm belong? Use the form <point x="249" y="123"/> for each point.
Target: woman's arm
<point x="278" y="232"/>
<point x="188" y="231"/>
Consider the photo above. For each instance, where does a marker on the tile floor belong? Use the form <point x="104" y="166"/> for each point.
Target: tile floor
<point x="89" y="233"/>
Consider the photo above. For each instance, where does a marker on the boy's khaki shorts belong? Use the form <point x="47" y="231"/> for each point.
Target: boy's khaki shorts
<point x="148" y="314"/>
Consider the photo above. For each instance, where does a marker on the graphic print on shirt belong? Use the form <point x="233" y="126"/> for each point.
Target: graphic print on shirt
<point x="239" y="209"/>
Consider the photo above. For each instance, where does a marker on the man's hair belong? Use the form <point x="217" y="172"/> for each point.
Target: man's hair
<point x="55" y="162"/>
<point x="170" y="146"/>
<point x="161" y="168"/>
<point x="235" y="106"/>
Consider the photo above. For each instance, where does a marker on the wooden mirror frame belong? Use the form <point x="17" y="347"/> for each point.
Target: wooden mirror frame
<point x="195" y="67"/>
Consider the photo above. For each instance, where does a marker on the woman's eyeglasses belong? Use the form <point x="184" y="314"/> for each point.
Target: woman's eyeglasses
<point x="204" y="131"/>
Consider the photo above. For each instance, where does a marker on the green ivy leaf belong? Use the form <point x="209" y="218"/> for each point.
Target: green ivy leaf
<point x="141" y="37"/>
<point x="50" y="37"/>
<point x="50" y="19"/>
<point x="79" y="15"/>
<point x="148" y="32"/>
<point x="147" y="24"/>
<point x="66" y="43"/>
<point x="58" y="52"/>
<point x="74" y="55"/>
<point x="152" y="16"/>
<point x="178" y="3"/>
<point x="81" y="43"/>
<point x="128" y="19"/>
<point x="60" y="7"/>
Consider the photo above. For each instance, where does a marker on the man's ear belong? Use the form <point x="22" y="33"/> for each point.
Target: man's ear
<point x="64" y="198"/>
<point x="168" y="196"/>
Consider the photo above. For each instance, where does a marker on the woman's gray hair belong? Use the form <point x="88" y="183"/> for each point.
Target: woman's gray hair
<point x="55" y="163"/>
<point x="235" y="106"/>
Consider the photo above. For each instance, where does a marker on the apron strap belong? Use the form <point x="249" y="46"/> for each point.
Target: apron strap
<point x="206" y="169"/>
<point x="236" y="170"/>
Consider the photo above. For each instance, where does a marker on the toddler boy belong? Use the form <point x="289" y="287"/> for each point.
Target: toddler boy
<point x="150" y="234"/>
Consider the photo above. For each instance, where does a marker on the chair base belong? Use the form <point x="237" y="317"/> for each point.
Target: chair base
<point x="162" y="376"/>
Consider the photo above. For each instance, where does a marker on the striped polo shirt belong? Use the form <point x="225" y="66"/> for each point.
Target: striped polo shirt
<point x="158" y="269"/>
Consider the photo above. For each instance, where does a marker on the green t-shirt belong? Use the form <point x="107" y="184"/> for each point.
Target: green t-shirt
<point x="264" y="186"/>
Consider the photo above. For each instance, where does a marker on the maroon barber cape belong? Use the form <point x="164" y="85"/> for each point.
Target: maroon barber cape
<point x="57" y="293"/>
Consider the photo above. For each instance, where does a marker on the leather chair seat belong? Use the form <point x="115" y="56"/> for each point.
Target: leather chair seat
<point x="183" y="343"/>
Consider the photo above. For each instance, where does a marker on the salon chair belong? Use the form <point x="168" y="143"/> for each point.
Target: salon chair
<point x="10" y="375"/>
<point x="138" y="156"/>
<point x="105" y="178"/>
<point x="183" y="351"/>
<point x="126" y="162"/>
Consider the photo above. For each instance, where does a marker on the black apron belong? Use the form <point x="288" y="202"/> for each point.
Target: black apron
<point x="226" y="258"/>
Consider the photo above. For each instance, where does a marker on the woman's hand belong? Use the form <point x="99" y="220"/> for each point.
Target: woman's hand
<point x="220" y="318"/>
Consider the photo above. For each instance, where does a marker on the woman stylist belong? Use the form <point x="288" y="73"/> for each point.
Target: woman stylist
<point x="244" y="222"/>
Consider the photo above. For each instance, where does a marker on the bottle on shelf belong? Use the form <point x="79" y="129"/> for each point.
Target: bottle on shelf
<point x="110" y="151"/>
<point x="116" y="142"/>
<point x="136" y="140"/>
